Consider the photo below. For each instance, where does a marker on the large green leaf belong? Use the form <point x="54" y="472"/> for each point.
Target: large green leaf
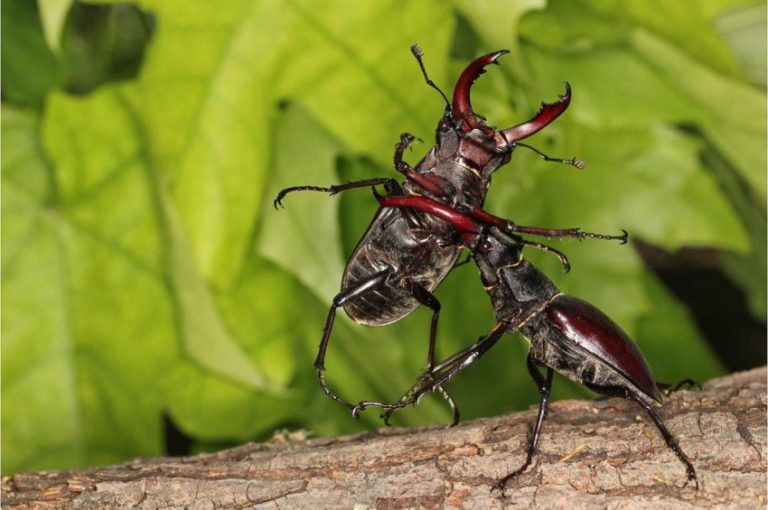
<point x="88" y="324"/>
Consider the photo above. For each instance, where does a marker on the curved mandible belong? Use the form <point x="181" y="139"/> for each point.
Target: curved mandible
<point x="462" y="107"/>
<point x="546" y="114"/>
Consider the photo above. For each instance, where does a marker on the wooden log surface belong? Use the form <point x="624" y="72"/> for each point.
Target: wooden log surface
<point x="592" y="454"/>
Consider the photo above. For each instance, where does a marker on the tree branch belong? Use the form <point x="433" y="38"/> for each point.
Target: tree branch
<point x="592" y="453"/>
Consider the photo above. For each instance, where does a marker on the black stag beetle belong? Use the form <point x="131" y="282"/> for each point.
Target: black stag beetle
<point x="566" y="334"/>
<point x="405" y="254"/>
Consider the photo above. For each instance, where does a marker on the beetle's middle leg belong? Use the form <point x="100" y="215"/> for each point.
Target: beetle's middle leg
<point x="426" y="298"/>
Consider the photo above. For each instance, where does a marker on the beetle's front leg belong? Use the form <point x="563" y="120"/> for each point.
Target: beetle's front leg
<point x="406" y="140"/>
<point x="390" y="184"/>
<point x="432" y="187"/>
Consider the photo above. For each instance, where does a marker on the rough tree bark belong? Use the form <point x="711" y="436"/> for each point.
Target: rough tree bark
<point x="592" y="454"/>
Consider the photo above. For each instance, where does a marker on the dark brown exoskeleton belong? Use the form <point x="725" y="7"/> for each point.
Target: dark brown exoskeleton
<point x="566" y="334"/>
<point x="404" y="255"/>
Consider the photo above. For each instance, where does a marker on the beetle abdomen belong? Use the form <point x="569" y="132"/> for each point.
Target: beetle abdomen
<point x="412" y="255"/>
<point x="577" y="339"/>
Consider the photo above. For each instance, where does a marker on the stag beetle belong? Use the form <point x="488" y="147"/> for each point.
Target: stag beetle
<point x="565" y="333"/>
<point x="405" y="254"/>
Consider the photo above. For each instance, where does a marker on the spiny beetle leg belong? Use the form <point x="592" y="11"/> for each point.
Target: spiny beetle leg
<point x="543" y="247"/>
<point x="669" y="439"/>
<point x="406" y="139"/>
<point x="672" y="388"/>
<point x="472" y="222"/>
<point x="428" y="299"/>
<point x="405" y="400"/>
<point x="507" y="227"/>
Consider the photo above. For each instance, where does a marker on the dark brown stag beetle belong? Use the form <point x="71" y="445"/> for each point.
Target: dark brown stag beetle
<point x="566" y="334"/>
<point x="405" y="254"/>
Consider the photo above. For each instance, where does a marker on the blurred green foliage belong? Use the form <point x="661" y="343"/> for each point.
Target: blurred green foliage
<point x="145" y="272"/>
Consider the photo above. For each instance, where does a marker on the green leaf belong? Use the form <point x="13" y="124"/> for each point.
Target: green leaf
<point x="53" y="14"/>
<point x="745" y="31"/>
<point x="590" y="25"/>
<point x="670" y="341"/>
<point x="89" y="324"/>
<point x="29" y="66"/>
<point x="306" y="227"/>
<point x="732" y="125"/>
<point x="496" y="22"/>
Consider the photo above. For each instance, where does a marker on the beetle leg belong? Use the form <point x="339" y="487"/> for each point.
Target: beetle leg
<point x="543" y="247"/>
<point x="428" y="299"/>
<point x="366" y="285"/>
<point x="544" y="385"/>
<point x="667" y="388"/>
<point x="406" y="139"/>
<point x="469" y="223"/>
<point x="509" y="228"/>
<point x="388" y="182"/>
<point x="669" y="439"/>
<point x="672" y="443"/>
<point x="412" y="175"/>
<point x="446" y="370"/>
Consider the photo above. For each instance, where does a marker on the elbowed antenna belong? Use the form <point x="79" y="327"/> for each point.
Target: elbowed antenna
<point x="419" y="53"/>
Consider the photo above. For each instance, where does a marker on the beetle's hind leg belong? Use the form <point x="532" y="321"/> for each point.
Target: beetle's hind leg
<point x="672" y="443"/>
<point x="669" y="439"/>
<point x="367" y="285"/>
